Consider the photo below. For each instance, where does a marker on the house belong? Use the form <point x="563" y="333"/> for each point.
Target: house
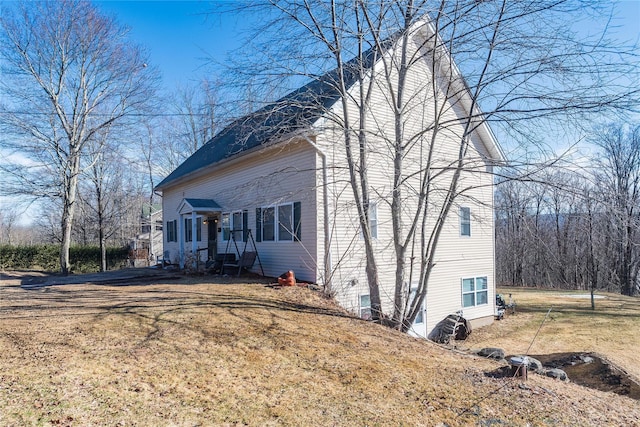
<point x="277" y="181"/>
<point x="146" y="247"/>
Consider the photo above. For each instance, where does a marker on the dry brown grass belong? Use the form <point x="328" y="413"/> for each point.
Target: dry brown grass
<point x="612" y="329"/>
<point x="198" y="353"/>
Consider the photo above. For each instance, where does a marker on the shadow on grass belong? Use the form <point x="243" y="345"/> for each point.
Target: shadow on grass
<point x="177" y="296"/>
<point x="624" y="309"/>
<point x="200" y="307"/>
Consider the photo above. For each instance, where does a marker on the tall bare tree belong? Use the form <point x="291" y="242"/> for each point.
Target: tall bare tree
<point x="194" y="116"/>
<point x="69" y="72"/>
<point x="619" y="174"/>
<point x="523" y="64"/>
<point x="581" y="223"/>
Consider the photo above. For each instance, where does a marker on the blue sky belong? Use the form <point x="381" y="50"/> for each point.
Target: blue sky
<point x="182" y="38"/>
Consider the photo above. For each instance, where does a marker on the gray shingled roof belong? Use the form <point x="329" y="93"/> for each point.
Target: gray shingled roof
<point x="202" y="204"/>
<point x="294" y="112"/>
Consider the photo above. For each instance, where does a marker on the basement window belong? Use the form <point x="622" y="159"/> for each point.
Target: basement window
<point x="475" y="292"/>
<point x="365" y="307"/>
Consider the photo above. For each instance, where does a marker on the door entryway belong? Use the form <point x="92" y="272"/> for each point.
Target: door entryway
<point x="212" y="237"/>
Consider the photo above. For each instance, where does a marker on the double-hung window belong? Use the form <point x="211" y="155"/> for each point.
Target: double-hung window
<point x="474" y="291"/>
<point x="365" y="307"/>
<point x="285" y="222"/>
<point x="372" y="214"/>
<point x="234" y="224"/>
<point x="188" y="229"/>
<point x="172" y="235"/>
<point x="226" y="226"/>
<point x="237" y="227"/>
<point x="373" y="219"/>
<point x="279" y="223"/>
<point x="269" y="224"/>
<point x="465" y="221"/>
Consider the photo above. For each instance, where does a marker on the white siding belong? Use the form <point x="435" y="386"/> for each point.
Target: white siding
<point x="281" y="174"/>
<point x="456" y="257"/>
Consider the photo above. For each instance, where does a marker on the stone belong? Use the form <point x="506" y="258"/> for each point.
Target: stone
<point x="492" y="353"/>
<point x="535" y="365"/>
<point x="586" y="359"/>
<point x="557" y="373"/>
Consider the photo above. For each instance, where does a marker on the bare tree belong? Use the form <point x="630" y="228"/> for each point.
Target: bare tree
<point x="581" y="223"/>
<point x="8" y="220"/>
<point x="195" y="116"/>
<point x="69" y="73"/>
<point x="618" y="173"/>
<point x="105" y="175"/>
<point x="523" y="64"/>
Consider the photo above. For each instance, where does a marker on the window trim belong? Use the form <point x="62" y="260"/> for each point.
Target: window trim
<point x="232" y="226"/>
<point x="465" y="221"/>
<point x="172" y="231"/>
<point x="288" y="228"/>
<point x="372" y="218"/>
<point x="271" y="224"/>
<point x="476" y="291"/>
<point x="364" y="310"/>
<point x="293" y="229"/>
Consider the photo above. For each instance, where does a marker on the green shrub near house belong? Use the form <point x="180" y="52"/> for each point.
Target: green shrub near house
<point x="84" y="259"/>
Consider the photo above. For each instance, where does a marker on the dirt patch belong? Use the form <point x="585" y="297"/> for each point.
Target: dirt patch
<point x="594" y="371"/>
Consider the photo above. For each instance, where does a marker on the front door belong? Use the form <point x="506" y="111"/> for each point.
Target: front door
<point x="212" y="239"/>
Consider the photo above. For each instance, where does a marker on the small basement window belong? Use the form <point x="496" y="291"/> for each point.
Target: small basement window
<point x="475" y="292"/>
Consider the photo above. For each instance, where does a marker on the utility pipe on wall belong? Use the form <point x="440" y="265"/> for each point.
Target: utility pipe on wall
<point x="327" y="231"/>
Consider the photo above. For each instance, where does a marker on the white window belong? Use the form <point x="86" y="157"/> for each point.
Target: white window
<point x="268" y="224"/>
<point x="465" y="221"/>
<point x="236" y="226"/>
<point x="285" y="222"/>
<point x="188" y="230"/>
<point x="373" y="219"/>
<point x="365" y="307"/>
<point x="226" y="226"/>
<point x="474" y="292"/>
<point x="234" y="222"/>
<point x="172" y="235"/>
<point x="280" y="222"/>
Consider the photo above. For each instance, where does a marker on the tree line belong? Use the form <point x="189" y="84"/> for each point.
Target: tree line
<point x="575" y="229"/>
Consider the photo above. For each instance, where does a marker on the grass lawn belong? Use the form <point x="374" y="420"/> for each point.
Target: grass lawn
<point x="195" y="352"/>
<point x="612" y="329"/>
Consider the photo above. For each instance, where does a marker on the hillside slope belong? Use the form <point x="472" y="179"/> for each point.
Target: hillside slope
<point x="244" y="354"/>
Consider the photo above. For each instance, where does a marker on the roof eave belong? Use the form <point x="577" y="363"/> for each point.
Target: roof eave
<point x="235" y="158"/>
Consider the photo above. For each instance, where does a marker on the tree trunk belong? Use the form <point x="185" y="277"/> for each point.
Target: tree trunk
<point x="68" y="211"/>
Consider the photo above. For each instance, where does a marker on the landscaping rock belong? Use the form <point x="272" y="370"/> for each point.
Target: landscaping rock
<point x="535" y="365"/>
<point x="492" y="353"/>
<point x="586" y="359"/>
<point x="557" y="373"/>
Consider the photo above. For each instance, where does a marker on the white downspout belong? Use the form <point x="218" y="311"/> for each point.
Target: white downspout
<point x="328" y="267"/>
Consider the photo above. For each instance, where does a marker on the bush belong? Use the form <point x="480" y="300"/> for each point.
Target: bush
<point x="83" y="259"/>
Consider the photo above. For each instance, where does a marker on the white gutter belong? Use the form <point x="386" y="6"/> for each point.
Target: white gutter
<point x="328" y="267"/>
